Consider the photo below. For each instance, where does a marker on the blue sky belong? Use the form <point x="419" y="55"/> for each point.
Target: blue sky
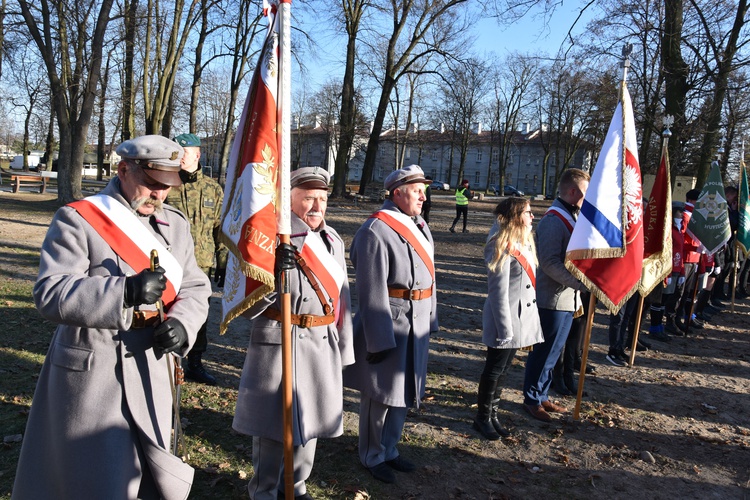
<point x="524" y="36"/>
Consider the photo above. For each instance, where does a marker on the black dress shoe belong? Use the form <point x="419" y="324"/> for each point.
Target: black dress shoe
<point x="590" y="369"/>
<point x="199" y="374"/>
<point x="401" y="464"/>
<point x="383" y="473"/>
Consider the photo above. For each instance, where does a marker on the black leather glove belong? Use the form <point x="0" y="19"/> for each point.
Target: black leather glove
<point x="145" y="287"/>
<point x="376" y="357"/>
<point x="220" y="275"/>
<point x="285" y="257"/>
<point x="169" y="336"/>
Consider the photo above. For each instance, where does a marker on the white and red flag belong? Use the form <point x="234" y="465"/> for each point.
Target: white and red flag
<point x="657" y="229"/>
<point x="605" y="250"/>
<point x="254" y="194"/>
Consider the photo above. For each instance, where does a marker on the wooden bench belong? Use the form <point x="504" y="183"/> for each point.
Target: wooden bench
<point x="18" y="180"/>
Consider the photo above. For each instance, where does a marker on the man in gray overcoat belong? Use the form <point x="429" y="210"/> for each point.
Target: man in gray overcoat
<point x="557" y="293"/>
<point x="321" y="346"/>
<point x="101" y="418"/>
<point x="393" y="258"/>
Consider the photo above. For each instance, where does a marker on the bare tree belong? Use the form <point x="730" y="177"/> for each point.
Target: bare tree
<point x="70" y="39"/>
<point x="510" y="100"/>
<point x="737" y="111"/>
<point x="570" y="112"/>
<point x="248" y="17"/>
<point x="130" y="24"/>
<point x="463" y="90"/>
<point x="639" y="24"/>
<point x="207" y="27"/>
<point x="166" y="35"/>
<point x="352" y="11"/>
<point x="675" y="78"/>
<point x="724" y="47"/>
<point x="427" y="27"/>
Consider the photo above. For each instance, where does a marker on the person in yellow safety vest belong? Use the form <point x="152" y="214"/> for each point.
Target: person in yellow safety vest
<point x="463" y="195"/>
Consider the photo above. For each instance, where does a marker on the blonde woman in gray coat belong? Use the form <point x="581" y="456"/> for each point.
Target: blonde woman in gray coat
<point x="509" y="320"/>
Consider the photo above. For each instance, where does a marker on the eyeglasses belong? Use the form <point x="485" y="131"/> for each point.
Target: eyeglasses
<point x="528" y="212"/>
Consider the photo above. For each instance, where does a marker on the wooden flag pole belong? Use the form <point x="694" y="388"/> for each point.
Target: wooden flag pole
<point x="585" y="355"/>
<point x="283" y="106"/>
<point x="634" y="345"/>
<point x="735" y="270"/>
<point x="286" y="377"/>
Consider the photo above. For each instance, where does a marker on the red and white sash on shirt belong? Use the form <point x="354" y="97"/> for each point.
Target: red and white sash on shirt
<point x="129" y="239"/>
<point x="563" y="215"/>
<point x="521" y="258"/>
<point x="324" y="266"/>
<point x="404" y="226"/>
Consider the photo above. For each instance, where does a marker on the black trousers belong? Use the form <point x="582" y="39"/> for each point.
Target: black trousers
<point x="461" y="210"/>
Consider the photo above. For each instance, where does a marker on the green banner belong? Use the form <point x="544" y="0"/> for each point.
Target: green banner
<point x="710" y="220"/>
<point x="743" y="228"/>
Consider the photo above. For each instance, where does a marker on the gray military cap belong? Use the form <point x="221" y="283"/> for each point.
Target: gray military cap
<point x="156" y="155"/>
<point x="310" y="178"/>
<point x="406" y="175"/>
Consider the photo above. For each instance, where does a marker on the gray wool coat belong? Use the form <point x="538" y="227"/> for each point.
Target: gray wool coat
<point x="556" y="288"/>
<point x="318" y="357"/>
<point x="382" y="258"/>
<point x="510" y="308"/>
<point x="102" y="410"/>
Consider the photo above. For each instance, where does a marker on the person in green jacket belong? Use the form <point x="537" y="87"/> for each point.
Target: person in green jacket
<point x="463" y="195"/>
<point x="200" y="199"/>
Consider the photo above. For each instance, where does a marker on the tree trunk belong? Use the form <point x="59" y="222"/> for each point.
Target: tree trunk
<point x="128" y="88"/>
<point x="713" y="116"/>
<point x="347" y="117"/>
<point x="675" y="79"/>
<point x="377" y="127"/>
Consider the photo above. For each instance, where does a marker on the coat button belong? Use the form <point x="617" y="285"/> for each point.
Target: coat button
<point x="534" y="301"/>
<point x="305" y="299"/>
<point x="528" y="286"/>
<point x="528" y="304"/>
<point x="302" y="335"/>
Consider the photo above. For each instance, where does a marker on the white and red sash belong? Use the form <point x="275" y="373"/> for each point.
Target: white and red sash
<point x="564" y="216"/>
<point x="129" y="239"/>
<point x="329" y="273"/>
<point x="525" y="264"/>
<point x="404" y="226"/>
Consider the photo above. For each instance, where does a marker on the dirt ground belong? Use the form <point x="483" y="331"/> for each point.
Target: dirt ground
<point x="676" y="425"/>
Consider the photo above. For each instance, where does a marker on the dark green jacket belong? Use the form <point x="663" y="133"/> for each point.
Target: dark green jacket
<point x="200" y="201"/>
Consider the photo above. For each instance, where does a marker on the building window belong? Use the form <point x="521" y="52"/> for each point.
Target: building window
<point x="380" y="172"/>
<point x="495" y="155"/>
<point x="536" y="178"/>
<point x="493" y="177"/>
<point x="434" y="155"/>
<point x="479" y="155"/>
<point x="476" y="178"/>
<point x="433" y="173"/>
<point x="407" y="153"/>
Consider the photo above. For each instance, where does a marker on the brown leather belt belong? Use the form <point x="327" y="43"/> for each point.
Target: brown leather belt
<point x="145" y="319"/>
<point x="406" y="294"/>
<point x="303" y="320"/>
